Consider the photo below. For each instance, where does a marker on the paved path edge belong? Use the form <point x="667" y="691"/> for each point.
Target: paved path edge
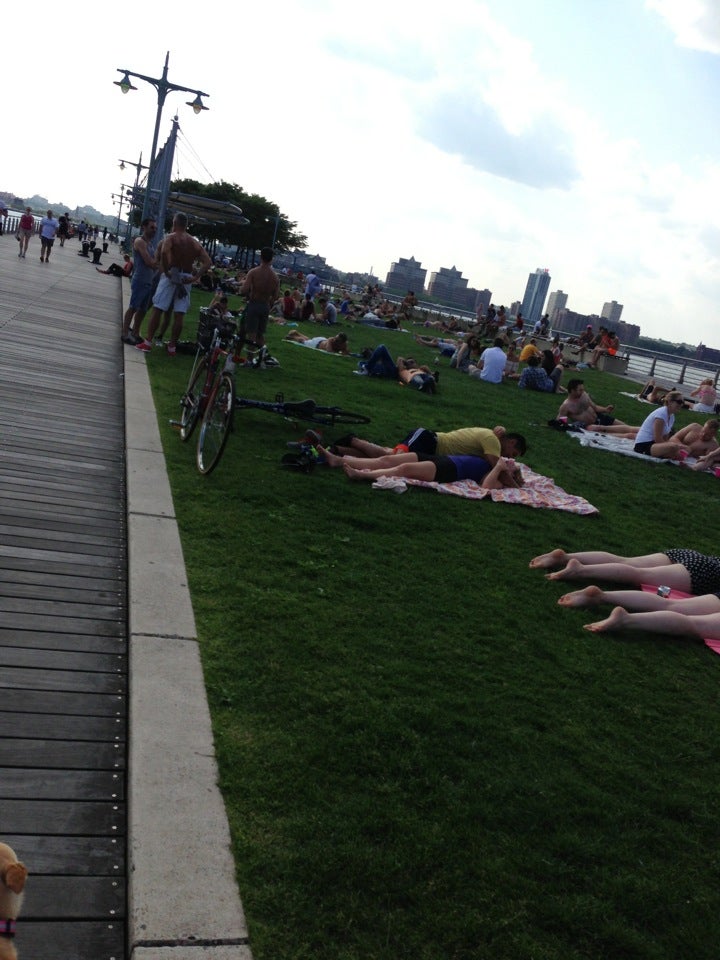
<point x="183" y="897"/>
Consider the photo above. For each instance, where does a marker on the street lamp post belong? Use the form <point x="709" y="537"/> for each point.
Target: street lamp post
<point x="276" y="218"/>
<point x="163" y="87"/>
<point x="119" y="199"/>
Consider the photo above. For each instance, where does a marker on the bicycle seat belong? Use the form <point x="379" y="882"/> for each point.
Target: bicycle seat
<point x="300" y="408"/>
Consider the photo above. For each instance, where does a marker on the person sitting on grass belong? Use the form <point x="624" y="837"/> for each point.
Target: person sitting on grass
<point x="653" y="437"/>
<point x="434" y="469"/>
<point x="579" y="407"/>
<point x="678" y="568"/>
<point x="336" y="344"/>
<point x="534" y="377"/>
<point x="696" y="617"/>
<point x="115" y="270"/>
<point x="707" y="397"/>
<point x="470" y="441"/>
<point x="467" y="355"/>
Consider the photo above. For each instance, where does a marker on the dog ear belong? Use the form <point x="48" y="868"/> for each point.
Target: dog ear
<point x="15" y="876"/>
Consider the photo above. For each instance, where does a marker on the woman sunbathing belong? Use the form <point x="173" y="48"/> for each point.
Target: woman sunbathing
<point x="697" y="617"/>
<point x="431" y="468"/>
<point x="336" y="344"/>
<point x="681" y="569"/>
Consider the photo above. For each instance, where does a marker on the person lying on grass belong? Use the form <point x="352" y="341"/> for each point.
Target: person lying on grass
<point x="470" y="441"/>
<point x="697" y="617"/>
<point x="438" y="469"/>
<point x="681" y="569"/>
<point x="336" y="344"/>
<point x="405" y="369"/>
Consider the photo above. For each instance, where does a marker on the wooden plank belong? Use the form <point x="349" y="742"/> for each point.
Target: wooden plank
<point x="51" y="726"/>
<point x="30" y="621"/>
<point x="37" y="560"/>
<point x="82" y="660"/>
<point x="55" y="754"/>
<point x="73" y="703"/>
<point x="67" y="681"/>
<point x="21" y="783"/>
<point x="81" y="940"/>
<point x="83" y="564"/>
<point x="63" y="641"/>
<point x="77" y="856"/>
<point x="64" y="817"/>
<point x="68" y="898"/>
<point x="79" y="608"/>
<point x="35" y="585"/>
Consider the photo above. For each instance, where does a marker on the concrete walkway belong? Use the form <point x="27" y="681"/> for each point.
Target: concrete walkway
<point x="183" y="896"/>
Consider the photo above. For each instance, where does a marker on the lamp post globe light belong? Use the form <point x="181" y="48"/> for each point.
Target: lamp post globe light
<point x="163" y="86"/>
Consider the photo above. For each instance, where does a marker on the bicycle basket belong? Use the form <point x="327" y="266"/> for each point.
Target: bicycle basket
<point x="208" y="323"/>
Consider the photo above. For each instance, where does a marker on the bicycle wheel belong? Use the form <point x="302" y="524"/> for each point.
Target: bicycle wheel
<point x="190" y="403"/>
<point x="216" y="425"/>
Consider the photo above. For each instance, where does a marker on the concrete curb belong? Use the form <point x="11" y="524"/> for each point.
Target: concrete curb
<point x="182" y="898"/>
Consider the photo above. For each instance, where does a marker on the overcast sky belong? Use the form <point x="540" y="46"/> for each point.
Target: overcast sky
<point x="496" y="136"/>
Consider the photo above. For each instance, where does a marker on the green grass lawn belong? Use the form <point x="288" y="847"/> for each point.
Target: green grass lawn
<point x="421" y="754"/>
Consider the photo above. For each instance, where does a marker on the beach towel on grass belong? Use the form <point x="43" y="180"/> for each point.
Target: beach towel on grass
<point x="539" y="491"/>
<point x="713" y="645"/>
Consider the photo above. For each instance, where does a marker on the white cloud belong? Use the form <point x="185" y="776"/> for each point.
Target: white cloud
<point x="695" y="23"/>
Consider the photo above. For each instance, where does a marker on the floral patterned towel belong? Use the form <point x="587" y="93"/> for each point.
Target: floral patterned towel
<point x="538" y="491"/>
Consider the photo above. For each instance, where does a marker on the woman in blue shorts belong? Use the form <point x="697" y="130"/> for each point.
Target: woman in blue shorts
<point x="429" y="467"/>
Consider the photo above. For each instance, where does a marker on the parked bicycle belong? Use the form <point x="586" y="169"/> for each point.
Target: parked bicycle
<point x="209" y="398"/>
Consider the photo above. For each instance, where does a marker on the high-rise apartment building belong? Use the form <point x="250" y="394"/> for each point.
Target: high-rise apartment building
<point x="556" y="301"/>
<point x="612" y="312"/>
<point x="535" y="293"/>
<point x="406" y="275"/>
<point x="449" y="286"/>
<point x="483" y="299"/>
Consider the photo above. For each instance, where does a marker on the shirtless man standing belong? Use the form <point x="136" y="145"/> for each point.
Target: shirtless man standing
<point x="178" y="256"/>
<point x="261" y="287"/>
<point x="579" y="407"/>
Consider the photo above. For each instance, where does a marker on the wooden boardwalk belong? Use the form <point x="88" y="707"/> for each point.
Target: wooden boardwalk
<point x="63" y="580"/>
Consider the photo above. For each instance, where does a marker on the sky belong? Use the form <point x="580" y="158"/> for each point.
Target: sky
<point x="493" y="136"/>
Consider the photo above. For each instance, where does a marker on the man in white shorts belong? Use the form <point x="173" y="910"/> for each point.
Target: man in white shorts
<point x="178" y="258"/>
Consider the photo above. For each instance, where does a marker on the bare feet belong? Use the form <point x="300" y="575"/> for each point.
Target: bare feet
<point x="616" y="621"/>
<point x="573" y="571"/>
<point x="588" y="597"/>
<point x="547" y="560"/>
<point x="331" y="459"/>
<point x="353" y="473"/>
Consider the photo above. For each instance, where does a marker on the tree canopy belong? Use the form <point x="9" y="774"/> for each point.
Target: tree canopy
<point x="262" y="214"/>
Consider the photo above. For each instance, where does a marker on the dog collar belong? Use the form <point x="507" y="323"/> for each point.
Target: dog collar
<point x="7" y="928"/>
